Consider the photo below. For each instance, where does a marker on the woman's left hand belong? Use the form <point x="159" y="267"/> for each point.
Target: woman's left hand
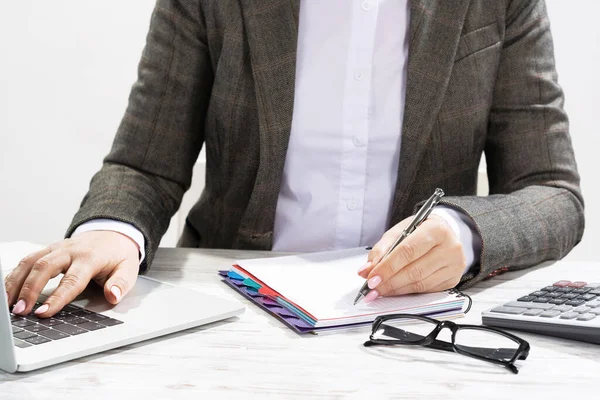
<point x="430" y="259"/>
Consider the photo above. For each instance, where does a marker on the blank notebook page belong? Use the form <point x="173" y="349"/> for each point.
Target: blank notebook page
<point x="325" y="284"/>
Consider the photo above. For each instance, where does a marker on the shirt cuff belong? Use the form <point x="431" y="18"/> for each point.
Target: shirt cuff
<point x="124" y="228"/>
<point x="464" y="228"/>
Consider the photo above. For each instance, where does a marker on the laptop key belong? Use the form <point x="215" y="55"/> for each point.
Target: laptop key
<point x="61" y="315"/>
<point x="24" y="335"/>
<point x="110" y="322"/>
<point x="21" y="344"/>
<point x="53" y="334"/>
<point x="14" y="318"/>
<point x="91" y="326"/>
<point x="50" y="322"/>
<point x="70" y="308"/>
<point x="36" y="328"/>
<point x="23" y="323"/>
<point x="82" y="313"/>
<point x="75" y="320"/>
<point x="70" y="329"/>
<point x="37" y="340"/>
<point x="16" y="329"/>
<point x="96" y="317"/>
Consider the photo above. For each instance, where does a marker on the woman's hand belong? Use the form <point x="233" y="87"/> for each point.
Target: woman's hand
<point x="430" y="259"/>
<point x="109" y="258"/>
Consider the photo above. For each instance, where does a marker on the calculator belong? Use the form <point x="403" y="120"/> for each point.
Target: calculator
<point x="564" y="309"/>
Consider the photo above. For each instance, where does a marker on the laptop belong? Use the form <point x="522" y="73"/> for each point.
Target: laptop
<point x="91" y="325"/>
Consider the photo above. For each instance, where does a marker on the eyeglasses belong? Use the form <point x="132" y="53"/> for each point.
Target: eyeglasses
<point x="480" y="342"/>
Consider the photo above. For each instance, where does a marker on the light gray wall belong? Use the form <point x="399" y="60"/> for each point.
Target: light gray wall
<point x="66" y="69"/>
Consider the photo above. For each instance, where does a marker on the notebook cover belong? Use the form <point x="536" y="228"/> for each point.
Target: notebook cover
<point x="290" y="319"/>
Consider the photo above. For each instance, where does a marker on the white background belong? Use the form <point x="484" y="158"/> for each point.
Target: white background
<point x="66" y="69"/>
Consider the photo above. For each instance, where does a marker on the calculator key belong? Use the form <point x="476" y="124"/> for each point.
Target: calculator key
<point x="37" y="340"/>
<point x="595" y="291"/>
<point x="527" y="304"/>
<point x="553" y="295"/>
<point x="587" y="297"/>
<point x="577" y="284"/>
<point x="550" y="313"/>
<point x="593" y="304"/>
<point x="574" y="302"/>
<point x="594" y="285"/>
<point x="509" y="310"/>
<point x="595" y="311"/>
<point x="565" y="290"/>
<point x="582" y="309"/>
<point x="586" y="317"/>
<point x="526" y="298"/>
<point x="569" y="315"/>
<point x="569" y="296"/>
<point x="563" y="308"/>
<point x="582" y="290"/>
<point x="542" y="299"/>
<point x="538" y="293"/>
<point x="533" y="312"/>
<point x="550" y="288"/>
<point x="561" y="283"/>
<point x="557" y="301"/>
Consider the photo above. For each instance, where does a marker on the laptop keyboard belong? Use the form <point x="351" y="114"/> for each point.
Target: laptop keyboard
<point x="72" y="320"/>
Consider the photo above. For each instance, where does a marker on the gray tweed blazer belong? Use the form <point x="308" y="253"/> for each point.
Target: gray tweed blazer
<point x="220" y="73"/>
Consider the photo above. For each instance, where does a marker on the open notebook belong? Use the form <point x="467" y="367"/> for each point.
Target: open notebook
<point x="316" y="291"/>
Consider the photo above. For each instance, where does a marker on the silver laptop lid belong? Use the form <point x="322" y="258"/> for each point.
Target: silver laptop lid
<point x="8" y="362"/>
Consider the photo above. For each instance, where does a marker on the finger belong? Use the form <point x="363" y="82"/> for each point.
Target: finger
<point x="428" y="235"/>
<point x="14" y="281"/>
<point x="44" y="269"/>
<point x="415" y="273"/>
<point x="442" y="278"/>
<point x="71" y="285"/>
<point x="121" y="280"/>
<point x="381" y="247"/>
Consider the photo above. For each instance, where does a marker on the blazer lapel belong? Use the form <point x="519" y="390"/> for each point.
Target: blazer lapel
<point x="272" y="34"/>
<point x="435" y="29"/>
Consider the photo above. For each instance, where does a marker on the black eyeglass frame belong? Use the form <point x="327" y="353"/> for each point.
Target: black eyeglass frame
<point x="431" y="340"/>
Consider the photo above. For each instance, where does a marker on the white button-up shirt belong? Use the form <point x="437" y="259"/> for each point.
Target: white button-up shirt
<point x="342" y="162"/>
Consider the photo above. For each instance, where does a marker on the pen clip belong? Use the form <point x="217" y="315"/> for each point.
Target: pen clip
<point x="425" y="210"/>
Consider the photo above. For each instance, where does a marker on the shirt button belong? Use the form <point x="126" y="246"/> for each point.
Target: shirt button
<point x="366" y="5"/>
<point x="356" y="140"/>
<point x="351" y="205"/>
<point x="358" y="75"/>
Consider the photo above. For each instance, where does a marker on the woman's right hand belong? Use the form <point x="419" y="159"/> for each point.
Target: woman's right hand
<point x="109" y="258"/>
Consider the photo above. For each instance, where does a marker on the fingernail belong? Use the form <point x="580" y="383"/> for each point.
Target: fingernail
<point x="374" y="281"/>
<point x="19" y="307"/>
<point x="367" y="265"/>
<point x="116" y="292"/>
<point x="371" y="296"/>
<point x="42" y="309"/>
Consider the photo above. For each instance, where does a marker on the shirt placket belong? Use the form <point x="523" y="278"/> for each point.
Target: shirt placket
<point x="357" y="98"/>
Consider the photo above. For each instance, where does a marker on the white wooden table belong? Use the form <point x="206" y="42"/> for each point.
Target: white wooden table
<point x="254" y="355"/>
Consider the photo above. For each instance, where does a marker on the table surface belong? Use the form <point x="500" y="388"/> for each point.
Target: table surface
<point x="254" y="355"/>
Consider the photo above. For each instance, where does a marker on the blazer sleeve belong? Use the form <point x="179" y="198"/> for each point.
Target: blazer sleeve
<point x="149" y="167"/>
<point x="535" y="210"/>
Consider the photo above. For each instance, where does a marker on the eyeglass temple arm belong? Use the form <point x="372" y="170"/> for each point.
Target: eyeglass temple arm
<point x="401" y="334"/>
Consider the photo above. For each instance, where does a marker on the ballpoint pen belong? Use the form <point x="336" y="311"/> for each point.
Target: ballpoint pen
<point x="419" y="217"/>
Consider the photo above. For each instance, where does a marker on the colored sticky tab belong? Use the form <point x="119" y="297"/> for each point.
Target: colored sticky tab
<point x="250" y="283"/>
<point x="235" y="275"/>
